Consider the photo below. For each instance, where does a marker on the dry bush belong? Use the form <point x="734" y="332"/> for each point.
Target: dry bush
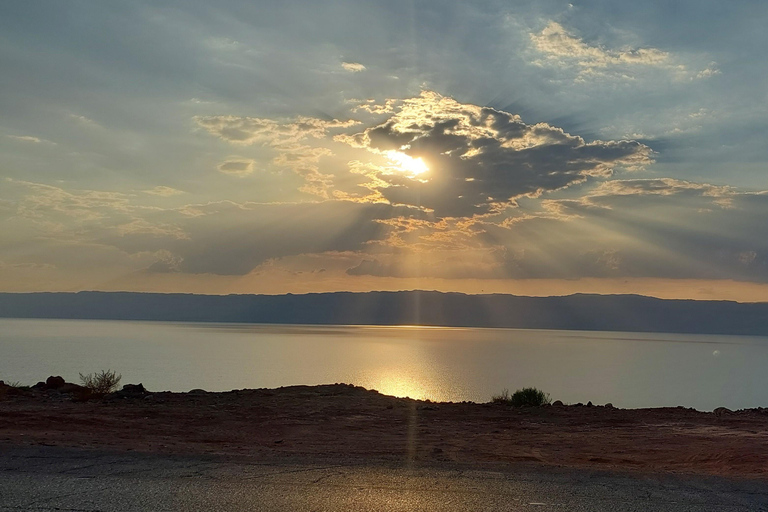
<point x="101" y="383"/>
<point x="502" y="398"/>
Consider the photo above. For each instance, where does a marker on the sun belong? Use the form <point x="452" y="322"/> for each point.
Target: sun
<point x="408" y="164"/>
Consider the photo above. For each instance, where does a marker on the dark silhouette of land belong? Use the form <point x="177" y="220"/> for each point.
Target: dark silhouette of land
<point x="574" y="312"/>
<point x="341" y="423"/>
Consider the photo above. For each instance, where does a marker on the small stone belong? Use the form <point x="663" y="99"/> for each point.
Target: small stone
<point x="609" y="405"/>
<point x="557" y="403"/>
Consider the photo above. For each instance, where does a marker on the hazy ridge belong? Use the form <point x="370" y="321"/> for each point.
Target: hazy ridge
<point x="578" y="312"/>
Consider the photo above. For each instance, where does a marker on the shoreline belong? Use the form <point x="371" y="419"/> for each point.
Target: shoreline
<point x="340" y="421"/>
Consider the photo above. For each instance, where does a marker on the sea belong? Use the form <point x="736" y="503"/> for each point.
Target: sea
<point x="627" y="369"/>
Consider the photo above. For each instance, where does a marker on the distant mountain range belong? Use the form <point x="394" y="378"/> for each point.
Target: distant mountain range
<point x="574" y="312"/>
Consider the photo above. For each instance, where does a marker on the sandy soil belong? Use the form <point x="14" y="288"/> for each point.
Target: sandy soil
<point x="354" y="423"/>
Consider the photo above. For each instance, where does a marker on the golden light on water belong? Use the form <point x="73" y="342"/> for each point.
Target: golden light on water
<point x="396" y="384"/>
<point x="412" y="166"/>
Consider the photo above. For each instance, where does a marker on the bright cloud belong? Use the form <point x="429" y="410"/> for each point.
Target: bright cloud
<point x="163" y="191"/>
<point x="555" y="42"/>
<point x="562" y="48"/>
<point x="353" y="67"/>
<point x="481" y="160"/>
<point x="25" y="138"/>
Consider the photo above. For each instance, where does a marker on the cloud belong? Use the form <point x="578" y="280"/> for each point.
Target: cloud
<point x="303" y="160"/>
<point x="239" y="168"/>
<point x="163" y="191"/>
<point x="86" y="121"/>
<point x="643" y="228"/>
<point x="660" y="186"/>
<point x="56" y="205"/>
<point x="233" y="239"/>
<point x="369" y="268"/>
<point x="660" y="228"/>
<point x="480" y="159"/>
<point x="285" y="137"/>
<point x="353" y="67"/>
<point x="167" y="263"/>
<point x="373" y="107"/>
<point x="555" y="42"/>
<point x="564" y="49"/>
<point x="252" y="130"/>
<point x="25" y="138"/>
<point x="709" y="71"/>
<point x="223" y="238"/>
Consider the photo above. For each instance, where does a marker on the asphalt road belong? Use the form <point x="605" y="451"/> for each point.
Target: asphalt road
<point x="49" y="478"/>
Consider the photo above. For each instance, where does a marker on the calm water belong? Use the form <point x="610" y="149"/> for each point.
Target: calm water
<point x="627" y="369"/>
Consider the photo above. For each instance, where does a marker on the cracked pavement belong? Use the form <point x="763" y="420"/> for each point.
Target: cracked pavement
<point x="42" y="478"/>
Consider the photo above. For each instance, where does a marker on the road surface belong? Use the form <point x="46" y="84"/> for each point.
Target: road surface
<point x="41" y="478"/>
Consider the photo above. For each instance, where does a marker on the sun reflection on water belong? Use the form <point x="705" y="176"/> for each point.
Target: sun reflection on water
<point x="400" y="386"/>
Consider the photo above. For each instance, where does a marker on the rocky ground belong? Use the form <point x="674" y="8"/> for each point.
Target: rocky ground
<point x="343" y="421"/>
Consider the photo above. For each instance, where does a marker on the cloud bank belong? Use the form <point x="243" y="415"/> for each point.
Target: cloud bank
<point x="481" y="160"/>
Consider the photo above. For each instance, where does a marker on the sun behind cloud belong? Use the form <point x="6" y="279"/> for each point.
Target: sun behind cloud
<point x="408" y="164"/>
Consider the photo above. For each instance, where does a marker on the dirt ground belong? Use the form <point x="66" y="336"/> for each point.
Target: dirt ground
<point x="342" y="421"/>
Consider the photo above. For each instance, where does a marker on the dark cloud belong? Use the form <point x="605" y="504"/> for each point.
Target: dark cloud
<point x="240" y="168"/>
<point x="481" y="159"/>
<point x="659" y="228"/>
<point x="646" y="228"/>
<point x="231" y="239"/>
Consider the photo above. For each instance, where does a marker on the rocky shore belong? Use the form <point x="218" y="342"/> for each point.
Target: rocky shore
<point x="341" y="421"/>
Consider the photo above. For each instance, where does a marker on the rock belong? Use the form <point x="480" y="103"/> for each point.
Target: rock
<point x="557" y="403"/>
<point x="720" y="411"/>
<point x="589" y="404"/>
<point x="198" y="392"/>
<point x="40" y="386"/>
<point x="68" y="387"/>
<point x="54" y="382"/>
<point x="609" y="405"/>
<point x="129" y="391"/>
<point x="134" y="389"/>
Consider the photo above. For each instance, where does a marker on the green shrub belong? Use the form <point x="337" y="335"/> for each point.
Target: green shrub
<point x="530" y="397"/>
<point x="101" y="383"/>
<point x="526" y="397"/>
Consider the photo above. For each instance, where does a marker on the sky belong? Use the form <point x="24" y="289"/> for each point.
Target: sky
<point x="535" y="148"/>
